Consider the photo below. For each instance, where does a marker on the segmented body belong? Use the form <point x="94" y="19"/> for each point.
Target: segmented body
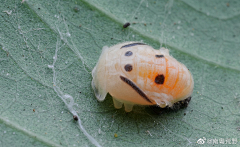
<point x="135" y="73"/>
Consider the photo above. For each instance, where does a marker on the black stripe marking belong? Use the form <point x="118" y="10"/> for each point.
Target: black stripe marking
<point x="138" y="90"/>
<point x="159" y="56"/>
<point x="132" y="44"/>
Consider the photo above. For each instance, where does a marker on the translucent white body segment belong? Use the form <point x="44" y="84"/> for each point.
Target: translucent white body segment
<point x="99" y="84"/>
<point x="100" y="93"/>
<point x="164" y="51"/>
<point x="117" y="104"/>
<point x="128" y="107"/>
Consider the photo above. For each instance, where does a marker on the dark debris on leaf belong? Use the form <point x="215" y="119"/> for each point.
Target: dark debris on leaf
<point x="126" y="25"/>
<point x="75" y="117"/>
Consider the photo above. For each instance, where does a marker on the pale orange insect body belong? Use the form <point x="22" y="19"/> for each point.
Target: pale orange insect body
<point x="135" y="73"/>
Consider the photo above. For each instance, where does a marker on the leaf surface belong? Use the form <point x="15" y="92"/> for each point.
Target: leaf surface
<point x="48" y="49"/>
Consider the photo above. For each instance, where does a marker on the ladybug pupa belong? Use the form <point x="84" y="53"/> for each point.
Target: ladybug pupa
<point x="134" y="73"/>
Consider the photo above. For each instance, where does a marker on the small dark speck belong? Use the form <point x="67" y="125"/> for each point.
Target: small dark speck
<point x="126" y="25"/>
<point x="228" y="4"/>
<point x="76" y="9"/>
<point x="136" y="18"/>
<point x="23" y="109"/>
<point x="222" y="107"/>
<point x="191" y="110"/>
<point x="111" y="38"/>
<point x="184" y="113"/>
<point x="75" y="117"/>
<point x="145" y="24"/>
<point x="234" y="35"/>
<point x="80" y="92"/>
<point x="33" y="110"/>
<point x="150" y="23"/>
<point x="39" y="8"/>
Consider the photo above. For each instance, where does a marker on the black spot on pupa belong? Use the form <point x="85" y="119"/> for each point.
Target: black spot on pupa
<point x="159" y="56"/>
<point x="126" y="25"/>
<point x="159" y="79"/>
<point x="128" y="67"/>
<point x="128" y="53"/>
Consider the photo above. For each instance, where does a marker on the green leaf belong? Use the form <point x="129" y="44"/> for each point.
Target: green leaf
<point x="40" y="94"/>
